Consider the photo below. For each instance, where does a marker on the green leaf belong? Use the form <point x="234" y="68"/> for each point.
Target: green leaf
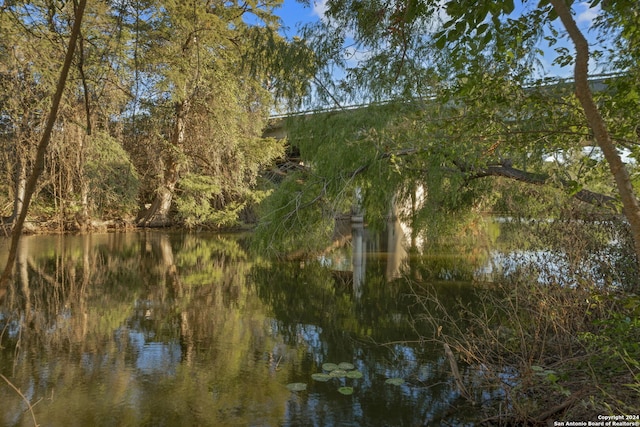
<point x="573" y="187"/>
<point x="461" y="28"/>
<point x="329" y="366"/>
<point x="487" y="38"/>
<point x="552" y="377"/>
<point x="338" y="373"/>
<point x="508" y="7"/>
<point x="354" y="374"/>
<point x="346" y="390"/>
<point x="482" y="28"/>
<point x="297" y="387"/>
<point x="394" y="381"/>
<point x="321" y="377"/>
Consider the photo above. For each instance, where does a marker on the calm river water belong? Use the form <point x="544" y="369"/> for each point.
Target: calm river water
<point x="175" y="329"/>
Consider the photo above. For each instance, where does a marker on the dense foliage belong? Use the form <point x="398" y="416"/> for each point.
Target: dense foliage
<point x="461" y="114"/>
<point x="158" y="91"/>
<point x="465" y="121"/>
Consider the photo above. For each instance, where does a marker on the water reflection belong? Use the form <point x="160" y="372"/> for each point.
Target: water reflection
<point x="489" y="250"/>
<point x="157" y="328"/>
<point x="457" y="260"/>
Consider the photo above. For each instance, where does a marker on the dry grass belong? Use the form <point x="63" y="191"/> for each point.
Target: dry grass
<point x="542" y="352"/>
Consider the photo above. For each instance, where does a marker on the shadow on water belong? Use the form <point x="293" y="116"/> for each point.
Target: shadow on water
<point x="157" y="328"/>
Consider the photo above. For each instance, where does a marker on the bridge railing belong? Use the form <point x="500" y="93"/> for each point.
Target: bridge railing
<point x="545" y="82"/>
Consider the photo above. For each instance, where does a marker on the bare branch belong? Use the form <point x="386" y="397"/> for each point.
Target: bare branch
<point x="17" y="390"/>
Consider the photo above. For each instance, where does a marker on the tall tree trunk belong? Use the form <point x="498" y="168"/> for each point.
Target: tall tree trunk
<point x="38" y="165"/>
<point x="85" y="222"/>
<point x="20" y="187"/>
<point x="630" y="205"/>
<point x="82" y="216"/>
<point x="158" y="215"/>
<point x="19" y="171"/>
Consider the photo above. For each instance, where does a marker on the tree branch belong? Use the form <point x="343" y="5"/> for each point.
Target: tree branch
<point x="42" y="146"/>
<point x="17" y="390"/>
<point x="507" y="171"/>
<point x="631" y="206"/>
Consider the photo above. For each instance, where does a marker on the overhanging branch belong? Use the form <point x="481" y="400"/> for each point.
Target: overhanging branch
<point x="507" y="171"/>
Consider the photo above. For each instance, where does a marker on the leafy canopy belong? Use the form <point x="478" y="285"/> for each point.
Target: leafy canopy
<point x="458" y="93"/>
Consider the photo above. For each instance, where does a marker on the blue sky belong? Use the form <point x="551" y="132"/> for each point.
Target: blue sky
<point x="294" y="14"/>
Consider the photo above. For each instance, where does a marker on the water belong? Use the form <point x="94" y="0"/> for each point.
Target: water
<point x="166" y="329"/>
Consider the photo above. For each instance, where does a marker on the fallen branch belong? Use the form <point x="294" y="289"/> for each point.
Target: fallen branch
<point x="33" y="416"/>
<point x="456" y="373"/>
<point x="560" y="407"/>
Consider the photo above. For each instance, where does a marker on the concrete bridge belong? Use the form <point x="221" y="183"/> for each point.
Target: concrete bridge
<point x="277" y="122"/>
<point x="277" y="129"/>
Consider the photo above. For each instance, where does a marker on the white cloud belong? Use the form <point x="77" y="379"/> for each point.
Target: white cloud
<point x="588" y="14"/>
<point x="320" y="8"/>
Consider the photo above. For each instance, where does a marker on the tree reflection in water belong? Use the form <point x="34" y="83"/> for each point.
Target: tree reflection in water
<point x="156" y="328"/>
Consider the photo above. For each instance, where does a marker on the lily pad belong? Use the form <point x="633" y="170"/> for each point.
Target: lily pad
<point x="297" y="386"/>
<point x="354" y="374"/>
<point x="338" y="373"/>
<point x="329" y="366"/>
<point x="346" y="366"/>
<point x="346" y="390"/>
<point x="321" y="377"/>
<point x="394" y="381"/>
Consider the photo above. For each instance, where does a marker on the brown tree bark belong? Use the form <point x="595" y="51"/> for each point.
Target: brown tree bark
<point x="38" y="165"/>
<point x="630" y="205"/>
<point x="20" y="187"/>
<point x="158" y="214"/>
<point x="506" y="171"/>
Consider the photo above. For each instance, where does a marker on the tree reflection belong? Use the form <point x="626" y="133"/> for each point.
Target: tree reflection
<point x="136" y="329"/>
<point x="315" y="312"/>
<point x="157" y="328"/>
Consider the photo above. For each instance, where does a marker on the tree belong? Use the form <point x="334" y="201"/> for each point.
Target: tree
<point x="97" y="95"/>
<point x="25" y="81"/>
<point x="35" y="36"/>
<point x="208" y="71"/>
<point x="597" y="124"/>
<point x="42" y="146"/>
<point x="185" y="89"/>
<point x="477" y="104"/>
